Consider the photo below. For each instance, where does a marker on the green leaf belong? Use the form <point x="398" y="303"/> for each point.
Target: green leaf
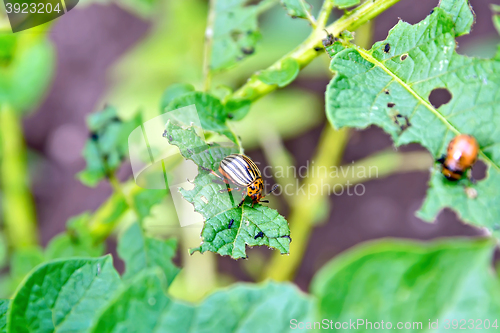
<point x="21" y="263"/>
<point x="374" y="87"/>
<point x="141" y="252"/>
<point x="398" y="281"/>
<point x="26" y="66"/>
<point x="75" y="242"/>
<point x="145" y="199"/>
<point x="496" y="22"/>
<point x="345" y="3"/>
<point x="174" y="91"/>
<point x="462" y="14"/>
<point x="4" y="306"/>
<point x="63" y="295"/>
<point x="267" y="307"/>
<point x="235" y="33"/>
<point x="297" y="8"/>
<point x="144" y="307"/>
<point x="194" y="148"/>
<point x="210" y="110"/>
<point x="8" y="43"/>
<point x="65" y="245"/>
<point x="107" y="146"/>
<point x="251" y="226"/>
<point x="281" y="76"/>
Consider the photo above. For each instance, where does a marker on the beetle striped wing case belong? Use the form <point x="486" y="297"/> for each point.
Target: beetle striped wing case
<point x="239" y="169"/>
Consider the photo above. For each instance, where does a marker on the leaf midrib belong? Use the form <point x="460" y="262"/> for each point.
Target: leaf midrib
<point x="367" y="56"/>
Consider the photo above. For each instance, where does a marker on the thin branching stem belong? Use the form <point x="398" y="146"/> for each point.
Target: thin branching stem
<point x="324" y="14"/>
<point x="18" y="206"/>
<point x="209" y="36"/>
<point x="312" y="47"/>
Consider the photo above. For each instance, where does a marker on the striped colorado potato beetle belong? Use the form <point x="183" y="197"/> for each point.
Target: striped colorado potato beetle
<point x="240" y="170"/>
<point x="460" y="156"/>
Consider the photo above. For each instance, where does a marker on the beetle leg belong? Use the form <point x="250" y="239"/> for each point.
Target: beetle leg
<point x="216" y="175"/>
<point x="218" y="181"/>
<point x="243" y="197"/>
<point x="441" y="159"/>
<point x="266" y="201"/>
<point x="229" y="189"/>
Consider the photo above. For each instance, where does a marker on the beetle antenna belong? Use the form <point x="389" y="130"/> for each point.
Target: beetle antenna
<point x="273" y="189"/>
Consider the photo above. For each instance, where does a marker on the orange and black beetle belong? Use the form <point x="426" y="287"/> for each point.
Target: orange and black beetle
<point x="241" y="171"/>
<point x="460" y="156"/>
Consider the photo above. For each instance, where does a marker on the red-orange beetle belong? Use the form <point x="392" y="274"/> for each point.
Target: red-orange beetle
<point x="460" y="156"/>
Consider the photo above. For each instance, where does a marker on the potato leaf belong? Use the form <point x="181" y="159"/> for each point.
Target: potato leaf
<point x="397" y="281"/>
<point x="281" y="76"/>
<point x="4" y="306"/>
<point x="141" y="252"/>
<point x="65" y="245"/>
<point x="173" y="91"/>
<point x="211" y="112"/>
<point x="342" y="4"/>
<point x="145" y="199"/>
<point x="63" y="295"/>
<point x="297" y="8"/>
<point x="107" y="146"/>
<point x="389" y="86"/>
<point x="228" y="228"/>
<point x="144" y="307"/>
<point x="75" y="242"/>
<point x="235" y="33"/>
<point x="26" y="66"/>
<point x="462" y="14"/>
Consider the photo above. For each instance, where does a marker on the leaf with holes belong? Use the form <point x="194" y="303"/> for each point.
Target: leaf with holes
<point x="297" y="8"/>
<point x="141" y="252"/>
<point x="63" y="295"/>
<point x="268" y="307"/>
<point x="228" y="228"/>
<point x="384" y="279"/>
<point x="389" y="86"/>
<point x="234" y="33"/>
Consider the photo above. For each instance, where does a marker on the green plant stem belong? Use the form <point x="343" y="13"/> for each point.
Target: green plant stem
<point x="306" y="204"/>
<point x="107" y="217"/>
<point x="209" y="34"/>
<point x="18" y="206"/>
<point x="324" y="14"/>
<point x="265" y="5"/>
<point x="253" y="89"/>
<point x="279" y="158"/>
<point x="309" y="17"/>
<point x="302" y="219"/>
